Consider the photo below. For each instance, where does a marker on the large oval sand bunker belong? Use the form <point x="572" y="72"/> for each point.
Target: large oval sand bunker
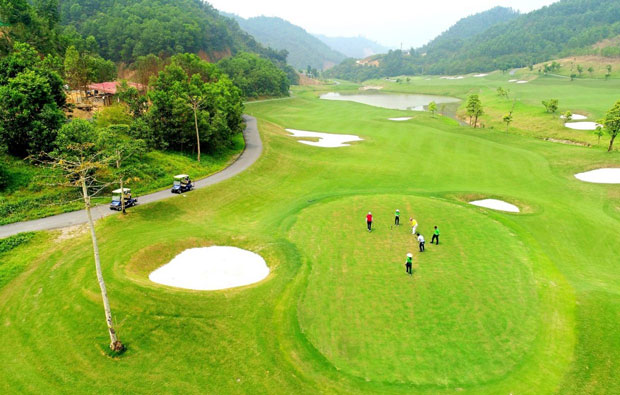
<point x="212" y="268"/>
<point x="496" y="204"/>
<point x="601" y="176"/>
<point x="325" y="140"/>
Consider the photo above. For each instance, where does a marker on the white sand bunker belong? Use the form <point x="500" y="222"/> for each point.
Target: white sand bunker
<point x="400" y="119"/>
<point x="513" y="80"/>
<point x="326" y="140"/>
<point x="480" y="75"/>
<point x="522" y="82"/>
<point x="575" y="117"/>
<point x="601" y="176"/>
<point x="496" y="205"/>
<point x="459" y="77"/>
<point x="371" y="88"/>
<point x="212" y="268"/>
<point x="582" y="125"/>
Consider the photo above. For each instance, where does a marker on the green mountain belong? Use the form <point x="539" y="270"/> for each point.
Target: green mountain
<point x="353" y="47"/>
<point x="126" y="29"/>
<point x="303" y="48"/>
<point x="501" y="39"/>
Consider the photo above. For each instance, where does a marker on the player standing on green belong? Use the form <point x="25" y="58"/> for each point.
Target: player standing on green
<point x="409" y="263"/>
<point x="369" y="221"/>
<point x="435" y="235"/>
<point x="397" y="217"/>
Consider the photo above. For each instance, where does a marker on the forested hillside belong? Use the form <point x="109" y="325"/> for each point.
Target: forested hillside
<point x="353" y="47"/>
<point x="500" y="39"/>
<point x="303" y="48"/>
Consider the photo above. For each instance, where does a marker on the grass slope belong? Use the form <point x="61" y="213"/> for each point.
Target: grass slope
<point x="508" y="303"/>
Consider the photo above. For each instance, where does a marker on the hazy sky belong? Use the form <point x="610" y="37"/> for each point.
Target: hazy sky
<point x="388" y="22"/>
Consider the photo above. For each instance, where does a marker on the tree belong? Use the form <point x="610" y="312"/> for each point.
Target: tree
<point x="580" y="69"/>
<point x="503" y="92"/>
<point x="121" y="149"/>
<point x="551" y="105"/>
<point x="612" y="124"/>
<point x="196" y="98"/>
<point x="432" y="107"/>
<point x="507" y="120"/>
<point x="573" y="76"/>
<point x="591" y="70"/>
<point x="76" y="70"/>
<point x="80" y="162"/>
<point x="568" y="116"/>
<point x="474" y="109"/>
<point x="32" y="99"/>
<point x="598" y="132"/>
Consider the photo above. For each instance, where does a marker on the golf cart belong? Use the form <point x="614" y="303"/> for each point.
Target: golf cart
<point x="119" y="194"/>
<point x="181" y="184"/>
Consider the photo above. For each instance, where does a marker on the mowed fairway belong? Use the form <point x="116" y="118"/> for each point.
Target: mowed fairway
<point x="507" y="303"/>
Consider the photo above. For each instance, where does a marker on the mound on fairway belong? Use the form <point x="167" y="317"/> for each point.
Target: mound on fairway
<point x="601" y="176"/>
<point x="582" y="125"/>
<point x="212" y="268"/>
<point x="453" y="322"/>
<point x="496" y="204"/>
<point x="326" y="140"/>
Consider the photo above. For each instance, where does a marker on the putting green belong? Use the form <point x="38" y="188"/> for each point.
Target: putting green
<point x="468" y="315"/>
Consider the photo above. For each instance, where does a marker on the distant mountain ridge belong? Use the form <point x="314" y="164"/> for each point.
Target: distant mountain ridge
<point x="500" y="38"/>
<point x="303" y="48"/>
<point x="353" y="47"/>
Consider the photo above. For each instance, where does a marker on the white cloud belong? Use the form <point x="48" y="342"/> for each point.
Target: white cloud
<point x="389" y="22"/>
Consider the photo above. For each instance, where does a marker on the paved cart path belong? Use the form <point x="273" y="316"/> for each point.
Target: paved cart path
<point x="253" y="149"/>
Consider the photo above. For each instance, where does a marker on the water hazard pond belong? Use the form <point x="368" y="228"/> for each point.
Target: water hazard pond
<point x="397" y="101"/>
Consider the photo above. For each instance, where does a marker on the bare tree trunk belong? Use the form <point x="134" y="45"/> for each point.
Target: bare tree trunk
<point x="611" y="144"/>
<point x="115" y="344"/>
<point x="475" y="122"/>
<point x="195" y="107"/>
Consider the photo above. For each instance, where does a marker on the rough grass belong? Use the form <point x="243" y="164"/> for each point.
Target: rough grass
<point x="538" y="289"/>
<point x="32" y="191"/>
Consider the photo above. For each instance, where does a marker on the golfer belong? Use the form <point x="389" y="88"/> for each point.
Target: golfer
<point x="409" y="263"/>
<point x="435" y="235"/>
<point x="421" y="241"/>
<point x="397" y="217"/>
<point x="369" y="221"/>
<point x="414" y="225"/>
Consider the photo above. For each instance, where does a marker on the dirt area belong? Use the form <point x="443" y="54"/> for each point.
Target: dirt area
<point x="305" y="80"/>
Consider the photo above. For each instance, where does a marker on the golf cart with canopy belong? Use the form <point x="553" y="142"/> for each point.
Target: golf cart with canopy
<point x="119" y="194"/>
<point x="181" y="184"/>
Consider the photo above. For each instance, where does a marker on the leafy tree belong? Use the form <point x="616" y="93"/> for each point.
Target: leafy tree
<point x="255" y="76"/>
<point x="136" y="103"/>
<point x="503" y="92"/>
<point x="568" y="116"/>
<point x="76" y="70"/>
<point x="612" y="124"/>
<point x="32" y="99"/>
<point x="507" y="120"/>
<point x="598" y="132"/>
<point x="580" y="69"/>
<point x="474" y="109"/>
<point x="551" y="105"/>
<point x="591" y="70"/>
<point x="573" y="76"/>
<point x="121" y="149"/>
<point x="432" y="107"/>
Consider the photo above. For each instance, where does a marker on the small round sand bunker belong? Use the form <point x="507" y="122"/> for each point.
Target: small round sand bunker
<point x="601" y="176"/>
<point x="212" y="268"/>
<point x="495" y="204"/>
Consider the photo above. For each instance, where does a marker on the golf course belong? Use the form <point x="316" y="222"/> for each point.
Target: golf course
<point x="506" y="303"/>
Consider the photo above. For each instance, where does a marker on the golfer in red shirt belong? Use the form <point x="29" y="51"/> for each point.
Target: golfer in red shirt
<point x="369" y="221"/>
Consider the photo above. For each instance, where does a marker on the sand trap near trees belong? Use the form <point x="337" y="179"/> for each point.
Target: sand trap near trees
<point x="212" y="268"/>
<point x="582" y="125"/>
<point x="480" y="75"/>
<point x="522" y="82"/>
<point x="575" y="117"/>
<point x="496" y="205"/>
<point x="326" y="140"/>
<point x="601" y="176"/>
<point x="400" y="119"/>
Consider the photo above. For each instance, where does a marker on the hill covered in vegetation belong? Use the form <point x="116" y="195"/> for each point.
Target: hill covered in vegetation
<point x="303" y="48"/>
<point x="501" y="39"/>
<point x="353" y="47"/>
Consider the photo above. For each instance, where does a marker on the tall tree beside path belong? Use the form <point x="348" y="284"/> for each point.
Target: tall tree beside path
<point x="474" y="109"/>
<point x="196" y="99"/>
<point x="612" y="124"/>
<point x="80" y="163"/>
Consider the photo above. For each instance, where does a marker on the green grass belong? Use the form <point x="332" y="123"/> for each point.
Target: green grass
<point x="31" y="192"/>
<point x="507" y="303"/>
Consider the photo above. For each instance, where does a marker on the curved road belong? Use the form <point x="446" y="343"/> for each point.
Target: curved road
<point x="252" y="151"/>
